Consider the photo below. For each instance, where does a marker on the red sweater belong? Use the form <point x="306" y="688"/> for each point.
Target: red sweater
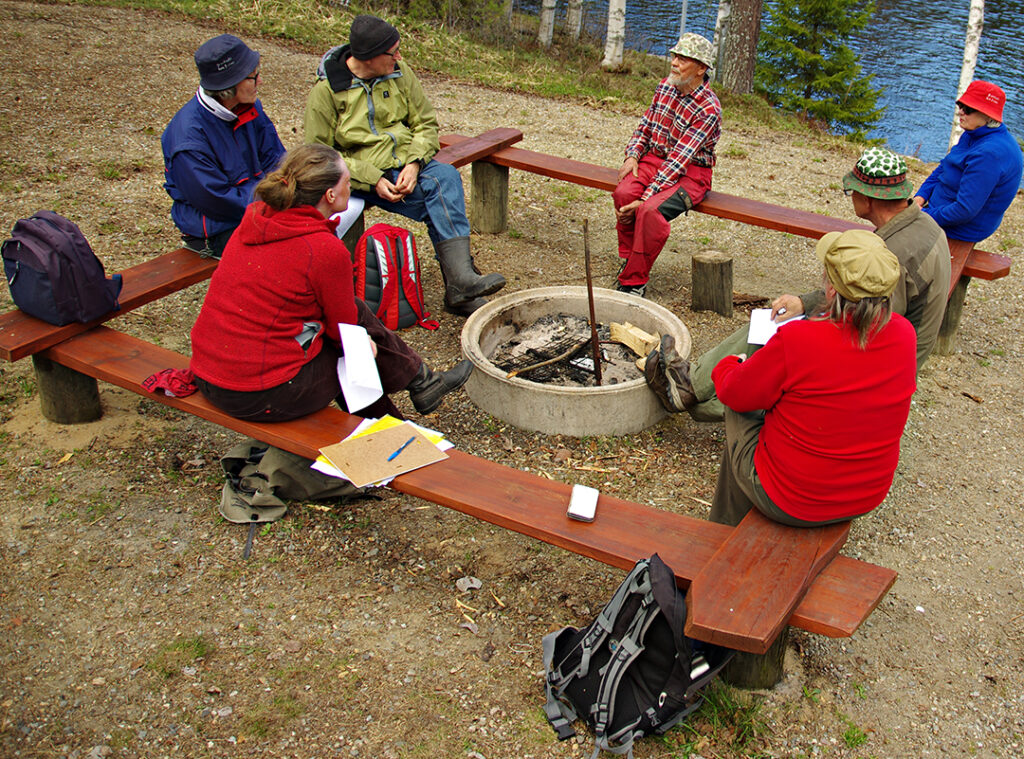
<point x="283" y="274"/>
<point x="834" y="414"/>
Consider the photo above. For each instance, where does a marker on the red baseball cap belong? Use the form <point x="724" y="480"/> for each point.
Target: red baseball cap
<point x="984" y="97"/>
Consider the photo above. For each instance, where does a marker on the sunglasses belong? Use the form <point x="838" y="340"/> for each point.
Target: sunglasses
<point x="966" y="110"/>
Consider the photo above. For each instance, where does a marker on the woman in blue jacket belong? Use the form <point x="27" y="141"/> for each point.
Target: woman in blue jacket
<point x="972" y="187"/>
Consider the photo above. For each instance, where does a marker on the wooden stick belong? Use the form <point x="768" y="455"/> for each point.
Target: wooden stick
<point x="590" y="298"/>
<point x="549" y="361"/>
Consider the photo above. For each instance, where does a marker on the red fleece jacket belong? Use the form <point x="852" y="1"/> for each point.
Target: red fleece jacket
<point x="284" y="276"/>
<point x="834" y="413"/>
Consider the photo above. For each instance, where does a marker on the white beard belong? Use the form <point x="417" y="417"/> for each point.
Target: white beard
<point x="684" y="84"/>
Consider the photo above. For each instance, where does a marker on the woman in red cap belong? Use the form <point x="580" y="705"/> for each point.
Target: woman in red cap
<point x="972" y="187"/>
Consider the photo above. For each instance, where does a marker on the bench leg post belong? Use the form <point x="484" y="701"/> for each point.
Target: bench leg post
<point x="66" y="396"/>
<point x="353" y="234"/>
<point x="945" y="343"/>
<point x="712" y="282"/>
<point x="489" y="206"/>
<point x="758" y="670"/>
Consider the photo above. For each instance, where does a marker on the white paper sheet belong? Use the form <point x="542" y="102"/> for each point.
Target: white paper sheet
<point x="357" y="371"/>
<point x="762" y="328"/>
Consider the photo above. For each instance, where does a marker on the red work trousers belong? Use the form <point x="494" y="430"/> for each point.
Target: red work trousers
<point x="641" y="241"/>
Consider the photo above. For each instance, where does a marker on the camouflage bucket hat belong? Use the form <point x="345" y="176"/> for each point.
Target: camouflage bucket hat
<point x="694" y="46"/>
<point x="880" y="173"/>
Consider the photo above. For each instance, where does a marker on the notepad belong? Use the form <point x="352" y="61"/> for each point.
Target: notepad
<point x="363" y="460"/>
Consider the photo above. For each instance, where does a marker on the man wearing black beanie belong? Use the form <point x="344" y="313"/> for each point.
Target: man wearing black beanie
<point x="370" y="107"/>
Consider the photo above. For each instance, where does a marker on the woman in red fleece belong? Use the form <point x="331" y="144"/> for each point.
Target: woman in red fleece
<point x="813" y="419"/>
<point x="266" y="344"/>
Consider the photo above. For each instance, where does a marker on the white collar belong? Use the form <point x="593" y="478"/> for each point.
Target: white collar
<point x="214" y="106"/>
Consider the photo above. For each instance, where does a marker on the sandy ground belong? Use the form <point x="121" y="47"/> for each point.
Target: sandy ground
<point x="132" y="627"/>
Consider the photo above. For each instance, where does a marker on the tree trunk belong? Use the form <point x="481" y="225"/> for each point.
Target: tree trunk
<point x="721" y="31"/>
<point x="975" y="22"/>
<point x="574" y="19"/>
<point x="547" y="23"/>
<point x="616" y="35"/>
<point x="682" y="19"/>
<point x="739" y="48"/>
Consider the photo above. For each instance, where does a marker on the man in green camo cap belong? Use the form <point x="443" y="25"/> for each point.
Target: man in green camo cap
<point x="880" y="192"/>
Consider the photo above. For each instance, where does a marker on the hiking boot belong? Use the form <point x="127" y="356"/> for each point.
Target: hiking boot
<point x="668" y="375"/>
<point x="637" y="290"/>
<point x="463" y="283"/>
<point x="428" y="387"/>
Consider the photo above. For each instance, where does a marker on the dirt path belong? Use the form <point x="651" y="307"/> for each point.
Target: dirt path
<point x="133" y="628"/>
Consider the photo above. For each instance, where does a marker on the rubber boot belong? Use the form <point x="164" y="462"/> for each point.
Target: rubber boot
<point x="464" y="286"/>
<point x="428" y="387"/>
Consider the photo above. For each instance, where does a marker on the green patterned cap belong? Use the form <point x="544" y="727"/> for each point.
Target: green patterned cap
<point x="880" y="173"/>
<point x="694" y="46"/>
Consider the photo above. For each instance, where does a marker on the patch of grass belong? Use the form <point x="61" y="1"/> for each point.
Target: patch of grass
<point x="271" y="716"/>
<point x="812" y="694"/>
<point x="1008" y="243"/>
<point x="179" y="653"/>
<point x="735" y="151"/>
<point x="723" y="717"/>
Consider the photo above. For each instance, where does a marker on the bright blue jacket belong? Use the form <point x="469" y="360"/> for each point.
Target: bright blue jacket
<point x="212" y="166"/>
<point x="972" y="187"/>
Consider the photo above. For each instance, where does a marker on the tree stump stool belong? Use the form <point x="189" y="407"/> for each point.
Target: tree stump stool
<point x="712" y="282"/>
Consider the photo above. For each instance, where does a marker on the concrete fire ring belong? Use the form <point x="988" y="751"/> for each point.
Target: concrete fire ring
<point x="618" y="409"/>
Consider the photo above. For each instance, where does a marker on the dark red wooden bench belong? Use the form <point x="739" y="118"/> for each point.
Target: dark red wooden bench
<point x="490" y="213"/>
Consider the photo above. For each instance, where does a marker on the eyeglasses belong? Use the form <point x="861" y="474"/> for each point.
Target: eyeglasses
<point x="847" y="191"/>
<point x="254" y="77"/>
<point x="394" y="53"/>
<point x="967" y="110"/>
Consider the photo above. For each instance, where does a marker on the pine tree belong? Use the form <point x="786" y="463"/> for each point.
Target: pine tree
<point x="804" y="65"/>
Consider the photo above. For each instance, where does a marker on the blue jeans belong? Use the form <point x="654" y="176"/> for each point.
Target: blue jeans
<point x="438" y="201"/>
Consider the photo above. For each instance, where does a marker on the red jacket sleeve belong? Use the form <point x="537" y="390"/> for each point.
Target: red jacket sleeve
<point x="331" y="277"/>
<point x="756" y="383"/>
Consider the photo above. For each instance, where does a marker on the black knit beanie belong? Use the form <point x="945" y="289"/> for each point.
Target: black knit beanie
<point x="371" y="36"/>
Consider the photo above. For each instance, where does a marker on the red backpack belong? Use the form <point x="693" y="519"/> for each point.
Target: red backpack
<point x="387" y="277"/>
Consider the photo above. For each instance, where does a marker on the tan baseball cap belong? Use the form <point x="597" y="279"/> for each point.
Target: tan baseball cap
<point x="858" y="264"/>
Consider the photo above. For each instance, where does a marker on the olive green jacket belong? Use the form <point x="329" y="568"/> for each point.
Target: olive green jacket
<point x="920" y="295"/>
<point x="376" y="125"/>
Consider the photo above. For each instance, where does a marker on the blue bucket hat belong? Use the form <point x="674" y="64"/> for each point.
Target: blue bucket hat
<point x="224" y="61"/>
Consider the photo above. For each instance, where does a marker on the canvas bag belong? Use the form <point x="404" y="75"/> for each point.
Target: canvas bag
<point x="632" y="671"/>
<point x="387" y="276"/>
<point x="260" y="478"/>
<point x="53" y="273"/>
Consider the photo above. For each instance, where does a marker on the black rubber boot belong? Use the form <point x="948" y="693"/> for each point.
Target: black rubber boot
<point x="463" y="283"/>
<point x="428" y="387"/>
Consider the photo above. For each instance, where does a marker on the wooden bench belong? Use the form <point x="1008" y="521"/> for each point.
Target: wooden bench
<point x="794" y="577"/>
<point x="754" y="579"/>
<point x="489" y="208"/>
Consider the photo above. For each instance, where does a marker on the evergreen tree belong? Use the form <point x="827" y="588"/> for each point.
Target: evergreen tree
<point x="804" y="65"/>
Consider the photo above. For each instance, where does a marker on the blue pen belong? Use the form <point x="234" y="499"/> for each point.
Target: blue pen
<point x="401" y="448"/>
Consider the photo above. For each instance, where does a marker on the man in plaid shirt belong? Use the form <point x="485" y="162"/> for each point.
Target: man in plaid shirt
<point x="668" y="162"/>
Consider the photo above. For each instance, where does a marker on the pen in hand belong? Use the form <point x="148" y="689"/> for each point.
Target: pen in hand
<point x="401" y="448"/>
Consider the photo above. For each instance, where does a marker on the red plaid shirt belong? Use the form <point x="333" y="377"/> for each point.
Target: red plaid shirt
<point x="682" y="129"/>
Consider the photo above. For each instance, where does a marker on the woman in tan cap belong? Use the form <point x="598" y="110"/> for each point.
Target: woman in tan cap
<point x="972" y="187"/>
<point x="813" y="419"/>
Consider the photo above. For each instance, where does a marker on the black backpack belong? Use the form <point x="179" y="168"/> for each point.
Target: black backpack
<point x="53" y="273"/>
<point x="632" y="671"/>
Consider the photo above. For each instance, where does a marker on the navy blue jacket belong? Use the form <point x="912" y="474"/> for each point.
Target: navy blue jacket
<point x="972" y="187"/>
<point x="212" y="166"/>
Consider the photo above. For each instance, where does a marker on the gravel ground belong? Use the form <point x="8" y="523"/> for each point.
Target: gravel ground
<point x="133" y="628"/>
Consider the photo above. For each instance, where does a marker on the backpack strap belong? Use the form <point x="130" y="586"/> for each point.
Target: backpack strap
<point x="559" y="713"/>
<point x="387" y="264"/>
<point x="412" y="284"/>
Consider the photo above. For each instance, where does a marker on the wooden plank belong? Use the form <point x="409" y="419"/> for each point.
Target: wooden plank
<point x="959" y="250"/>
<point x="475" y="148"/>
<point x="743" y="596"/>
<point x="980" y="264"/>
<point x="837" y="603"/>
<point x="22" y="335"/>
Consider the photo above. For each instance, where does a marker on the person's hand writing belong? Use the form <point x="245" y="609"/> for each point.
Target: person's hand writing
<point x="629" y="166"/>
<point x="407" y="178"/>
<point x="786" y="307"/>
<point x="627" y="213"/>
<point x="387" y="191"/>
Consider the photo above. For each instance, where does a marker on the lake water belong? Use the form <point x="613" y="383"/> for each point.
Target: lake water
<point x="914" y="49"/>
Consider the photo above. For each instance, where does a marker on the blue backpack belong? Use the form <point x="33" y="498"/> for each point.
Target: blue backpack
<point x="54" y="275"/>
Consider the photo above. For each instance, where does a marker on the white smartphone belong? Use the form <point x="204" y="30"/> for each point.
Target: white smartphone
<point x="583" y="503"/>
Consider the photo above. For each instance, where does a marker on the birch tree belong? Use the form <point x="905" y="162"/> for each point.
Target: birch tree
<point x="616" y="35"/>
<point x="975" y="22"/>
<point x="682" y="20"/>
<point x="739" y="46"/>
<point x="721" y="31"/>
<point x="574" y="19"/>
<point x="547" y="23"/>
